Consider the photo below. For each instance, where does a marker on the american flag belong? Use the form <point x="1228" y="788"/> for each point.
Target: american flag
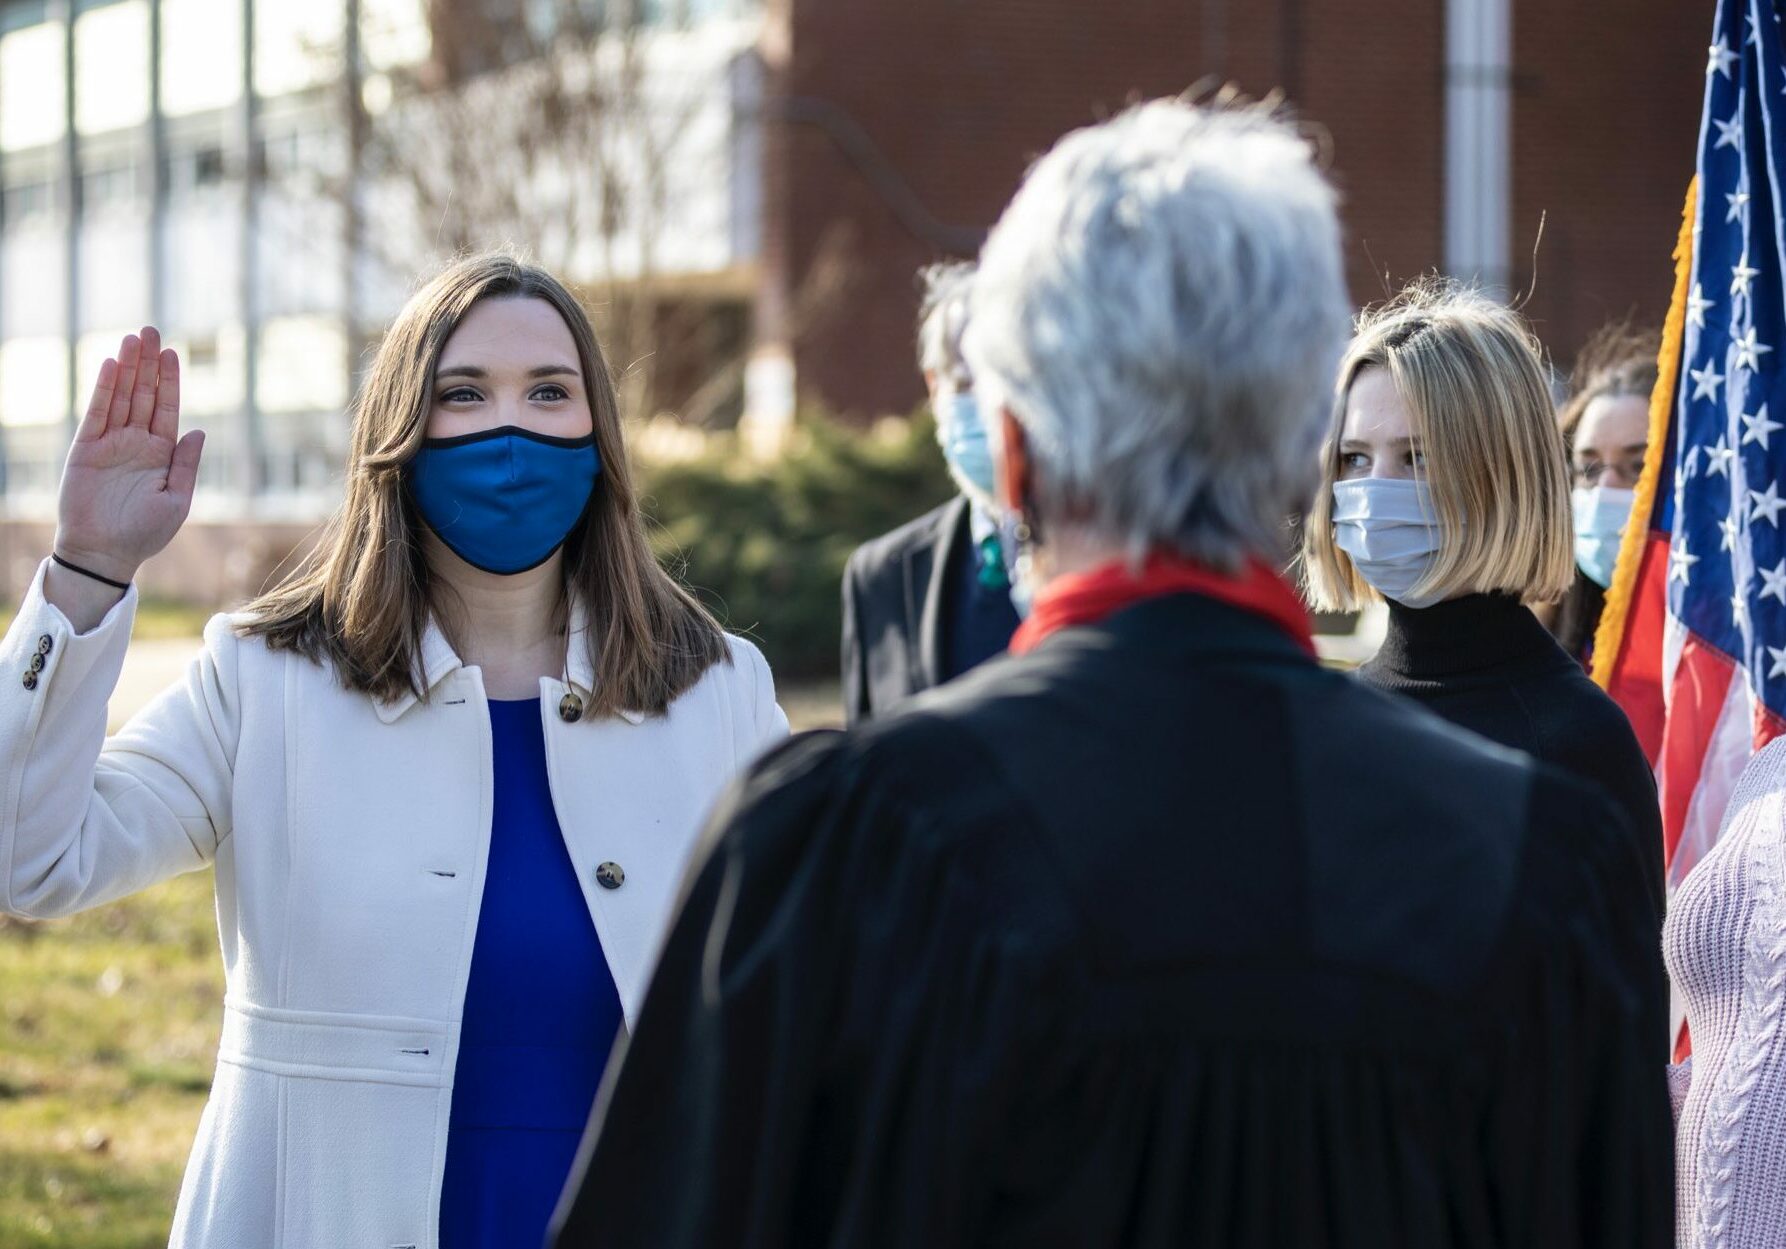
<point x="1693" y="642"/>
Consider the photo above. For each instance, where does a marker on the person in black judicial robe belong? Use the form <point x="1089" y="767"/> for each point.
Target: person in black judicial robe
<point x="1043" y="960"/>
<point x="919" y="610"/>
<point x="1156" y="933"/>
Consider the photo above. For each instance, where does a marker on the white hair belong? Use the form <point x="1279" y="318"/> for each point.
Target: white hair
<point x="941" y="311"/>
<point x="1161" y="309"/>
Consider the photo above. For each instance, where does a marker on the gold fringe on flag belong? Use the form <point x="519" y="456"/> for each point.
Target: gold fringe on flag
<point x="1609" y="637"/>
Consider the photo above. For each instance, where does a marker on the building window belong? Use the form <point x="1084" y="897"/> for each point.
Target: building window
<point x="207" y="166"/>
<point x="108" y="186"/>
<point x="18" y="14"/>
<point x="28" y="201"/>
<point x="201" y="353"/>
<point x="199" y="167"/>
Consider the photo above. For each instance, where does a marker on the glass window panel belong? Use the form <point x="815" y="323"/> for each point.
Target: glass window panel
<point x="394" y="33"/>
<point x="114" y="270"/>
<point x="201" y="55"/>
<point x="303" y="365"/>
<point x="111" y="67"/>
<point x="29" y="201"/>
<point x="31" y="86"/>
<point x="33" y="380"/>
<point x="211" y="383"/>
<point x="35" y="288"/>
<point x="296" y="46"/>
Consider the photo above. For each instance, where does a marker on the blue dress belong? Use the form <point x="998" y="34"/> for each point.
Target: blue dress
<point x="541" y="1013"/>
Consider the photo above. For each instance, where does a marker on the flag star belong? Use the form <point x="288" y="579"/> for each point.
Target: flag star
<point x="1738" y="200"/>
<point x="1728" y="528"/>
<point x="1766" y="504"/>
<point x="1718" y="59"/>
<point x="1730" y="133"/>
<point x="1739" y="610"/>
<point x="1741" y="275"/>
<point x="1690" y="462"/>
<point x="1757" y="428"/>
<point x="1778" y="655"/>
<point x="1706" y="382"/>
<point x="1697" y="303"/>
<point x="1680" y="562"/>
<point x="1720" y="455"/>
<point x="1749" y="353"/>
<point x="1774" y="582"/>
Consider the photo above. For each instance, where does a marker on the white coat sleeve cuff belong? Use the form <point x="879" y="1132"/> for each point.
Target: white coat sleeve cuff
<point x="71" y="659"/>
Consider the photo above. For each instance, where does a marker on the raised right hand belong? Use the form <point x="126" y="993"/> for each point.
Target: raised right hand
<point x="127" y="486"/>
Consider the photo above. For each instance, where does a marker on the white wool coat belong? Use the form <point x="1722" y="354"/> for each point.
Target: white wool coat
<point x="349" y="838"/>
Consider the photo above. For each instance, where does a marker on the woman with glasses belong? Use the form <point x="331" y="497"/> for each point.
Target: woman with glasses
<point x="1606" y="426"/>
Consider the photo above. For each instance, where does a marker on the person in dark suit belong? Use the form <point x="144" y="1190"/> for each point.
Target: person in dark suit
<point x="1153" y="932"/>
<point x="933" y="598"/>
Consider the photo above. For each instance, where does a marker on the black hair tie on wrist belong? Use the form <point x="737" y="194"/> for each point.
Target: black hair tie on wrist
<point x="88" y="572"/>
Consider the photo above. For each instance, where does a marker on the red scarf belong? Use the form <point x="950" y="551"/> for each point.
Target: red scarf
<point x="1090" y="597"/>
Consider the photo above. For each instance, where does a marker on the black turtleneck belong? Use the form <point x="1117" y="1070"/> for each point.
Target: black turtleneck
<point x="1485" y="663"/>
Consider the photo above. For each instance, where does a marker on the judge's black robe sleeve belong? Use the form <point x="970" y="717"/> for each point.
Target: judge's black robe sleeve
<point x="823" y="1048"/>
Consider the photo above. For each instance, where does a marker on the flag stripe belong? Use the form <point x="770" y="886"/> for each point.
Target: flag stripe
<point x="1703" y="689"/>
<point x="1637" y="679"/>
<point x="1726" y="752"/>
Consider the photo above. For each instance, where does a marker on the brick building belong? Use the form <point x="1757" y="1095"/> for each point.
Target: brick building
<point x="159" y="158"/>
<point x="900" y="127"/>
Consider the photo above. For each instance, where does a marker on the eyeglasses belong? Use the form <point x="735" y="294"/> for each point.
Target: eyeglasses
<point x="1591" y="474"/>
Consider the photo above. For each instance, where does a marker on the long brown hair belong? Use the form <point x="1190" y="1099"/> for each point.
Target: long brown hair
<point x="362" y="600"/>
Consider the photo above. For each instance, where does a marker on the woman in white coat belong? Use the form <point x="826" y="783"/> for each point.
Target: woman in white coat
<point x="450" y="773"/>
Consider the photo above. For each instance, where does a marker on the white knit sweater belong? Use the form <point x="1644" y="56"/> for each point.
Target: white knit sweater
<point x="1725" y="942"/>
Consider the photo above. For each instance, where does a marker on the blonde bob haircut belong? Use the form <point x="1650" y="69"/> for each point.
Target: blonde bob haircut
<point x="1472" y="375"/>
<point x="363" y="599"/>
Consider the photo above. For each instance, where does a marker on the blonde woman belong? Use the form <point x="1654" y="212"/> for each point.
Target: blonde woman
<point x="449" y="773"/>
<point x="1446" y="492"/>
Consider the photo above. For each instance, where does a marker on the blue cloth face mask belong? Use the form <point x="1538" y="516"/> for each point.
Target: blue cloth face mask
<point x="965" y="444"/>
<point x="1600" y="517"/>
<point x="1390" y="531"/>
<point x="503" y="500"/>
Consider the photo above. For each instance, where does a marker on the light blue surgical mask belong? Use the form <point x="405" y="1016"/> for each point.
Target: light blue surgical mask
<point x="1601" y="514"/>
<point x="965" y="444"/>
<point x="1389" y="529"/>
<point x="504" y="500"/>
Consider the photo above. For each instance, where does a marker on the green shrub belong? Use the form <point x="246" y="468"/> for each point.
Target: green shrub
<point x="764" y="542"/>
